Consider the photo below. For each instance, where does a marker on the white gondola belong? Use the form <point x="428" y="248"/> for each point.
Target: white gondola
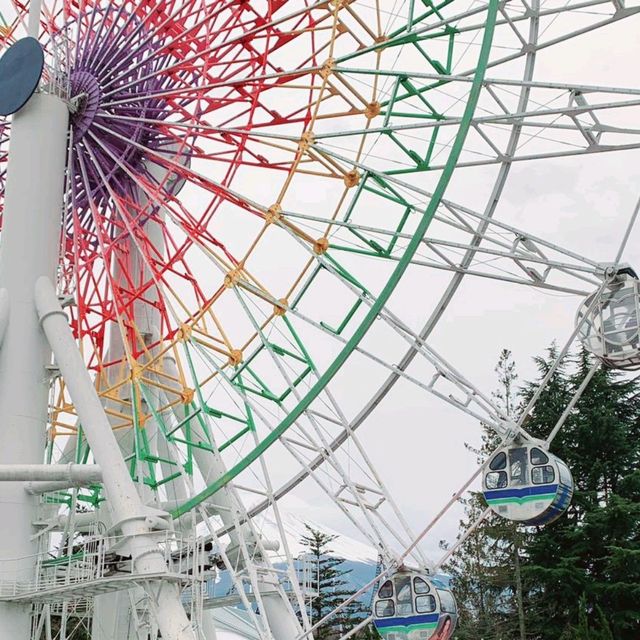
<point x="525" y="484"/>
<point x="610" y="326"/>
<point x="410" y="605"/>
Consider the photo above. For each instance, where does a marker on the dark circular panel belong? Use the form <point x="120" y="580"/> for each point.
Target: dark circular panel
<point x="20" y="72"/>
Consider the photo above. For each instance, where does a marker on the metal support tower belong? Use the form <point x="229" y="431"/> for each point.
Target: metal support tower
<point x="28" y="305"/>
<point x="29" y="250"/>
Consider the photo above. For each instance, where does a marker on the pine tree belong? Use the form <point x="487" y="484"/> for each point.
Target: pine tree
<point x="592" y="554"/>
<point x="581" y="573"/>
<point x="584" y="630"/>
<point x="328" y="582"/>
<point x="550" y="406"/>
<point x="486" y="570"/>
<point x="479" y="581"/>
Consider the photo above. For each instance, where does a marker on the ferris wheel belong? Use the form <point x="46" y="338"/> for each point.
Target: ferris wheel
<point x="230" y="230"/>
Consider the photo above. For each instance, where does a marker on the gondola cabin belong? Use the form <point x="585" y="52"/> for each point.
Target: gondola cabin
<point x="609" y="322"/>
<point x="412" y="606"/>
<point x="526" y="484"/>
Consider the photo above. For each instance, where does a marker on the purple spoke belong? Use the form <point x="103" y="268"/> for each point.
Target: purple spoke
<point x="114" y="23"/>
<point x="176" y="218"/>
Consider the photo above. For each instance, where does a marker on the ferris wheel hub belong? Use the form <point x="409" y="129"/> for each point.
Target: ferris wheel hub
<point x="87" y="93"/>
<point x="116" y="112"/>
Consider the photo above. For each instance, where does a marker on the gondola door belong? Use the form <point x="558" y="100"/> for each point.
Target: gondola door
<point x="518" y="466"/>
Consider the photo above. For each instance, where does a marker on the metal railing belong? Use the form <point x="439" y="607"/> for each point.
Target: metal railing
<point x="97" y="560"/>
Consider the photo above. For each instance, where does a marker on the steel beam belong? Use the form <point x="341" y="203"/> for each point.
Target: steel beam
<point x="71" y="473"/>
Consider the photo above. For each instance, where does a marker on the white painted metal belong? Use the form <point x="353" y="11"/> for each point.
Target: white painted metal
<point x="36" y="488"/>
<point x="71" y="473"/>
<point x="42" y="479"/>
<point x="29" y="250"/>
<point x="277" y="609"/>
<point x="113" y="615"/>
<point x="35" y="10"/>
<point x="4" y="313"/>
<point x="136" y="521"/>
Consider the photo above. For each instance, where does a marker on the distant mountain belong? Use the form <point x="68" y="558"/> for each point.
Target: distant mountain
<point x="294" y="527"/>
<point x="361" y="559"/>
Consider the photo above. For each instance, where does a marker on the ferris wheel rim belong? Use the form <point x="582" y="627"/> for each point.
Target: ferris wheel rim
<point x="409" y="355"/>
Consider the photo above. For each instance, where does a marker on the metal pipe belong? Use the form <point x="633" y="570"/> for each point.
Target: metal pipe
<point x="35" y="10"/>
<point x="69" y="473"/>
<point x="38" y="488"/>
<point x="126" y="508"/>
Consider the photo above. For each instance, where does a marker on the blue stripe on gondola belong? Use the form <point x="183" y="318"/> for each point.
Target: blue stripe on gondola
<point x="556" y="508"/>
<point x="521" y="493"/>
<point x="407" y="621"/>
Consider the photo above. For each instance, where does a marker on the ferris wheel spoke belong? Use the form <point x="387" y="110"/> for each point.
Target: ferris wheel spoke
<point x="162" y="21"/>
<point x="504" y="116"/>
<point x="230" y="150"/>
<point x="505" y="253"/>
<point x="121" y="286"/>
<point x="103" y="242"/>
<point x="98" y="33"/>
<point x="155" y="282"/>
<point x="168" y="303"/>
<point x="443" y="371"/>
<point x="296" y="73"/>
<point x="547" y="15"/>
<point x="225" y="44"/>
<point x="371" y="470"/>
<point x="150" y="34"/>
<point x="243" y="529"/>
<point x="580" y="137"/>
<point x="315" y="447"/>
<point x="528" y="254"/>
<point x="194" y="229"/>
<point x="180" y="169"/>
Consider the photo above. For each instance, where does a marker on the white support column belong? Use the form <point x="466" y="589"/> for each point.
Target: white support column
<point x="35" y="10"/>
<point x="277" y="609"/>
<point x="127" y="510"/>
<point x="111" y="611"/>
<point x="28" y="250"/>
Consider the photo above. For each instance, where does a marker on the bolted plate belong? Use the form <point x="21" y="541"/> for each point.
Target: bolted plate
<point x="20" y="72"/>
